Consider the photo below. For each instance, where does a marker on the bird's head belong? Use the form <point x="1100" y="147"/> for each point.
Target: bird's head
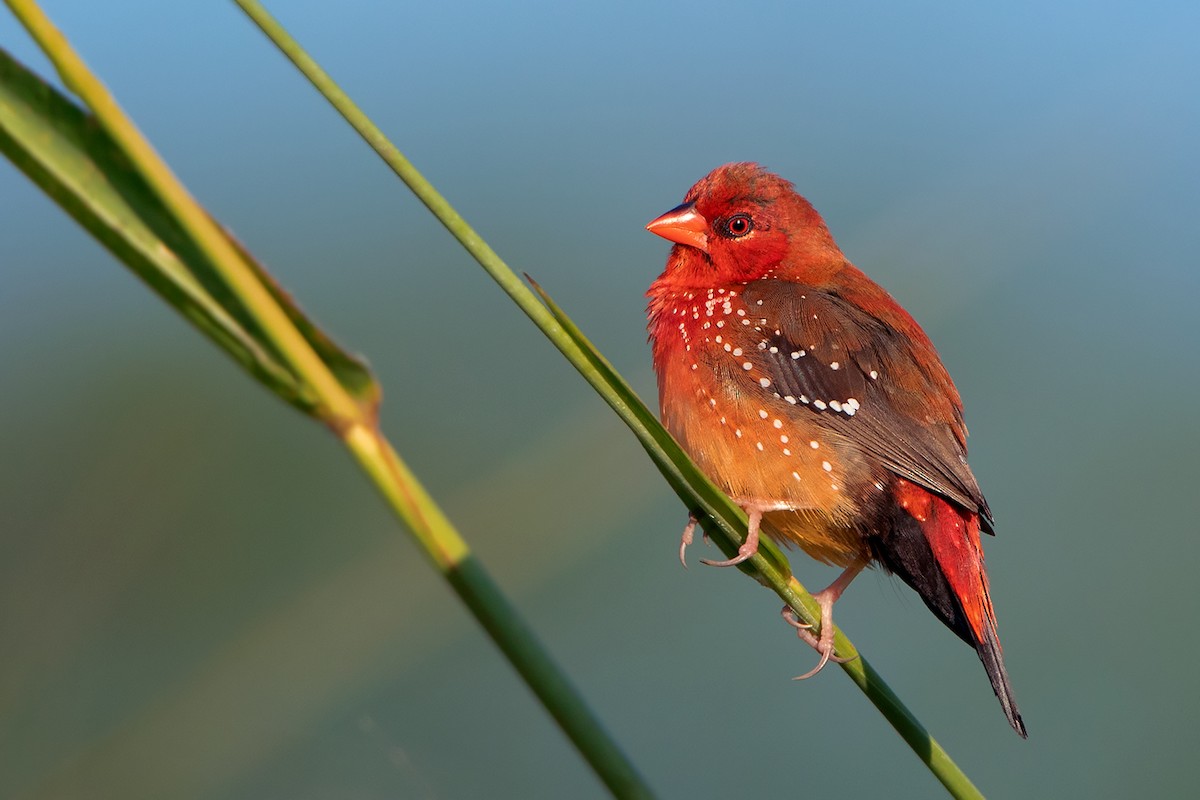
<point x="740" y="223"/>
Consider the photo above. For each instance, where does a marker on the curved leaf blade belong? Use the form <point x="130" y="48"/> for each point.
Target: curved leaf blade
<point x="65" y="153"/>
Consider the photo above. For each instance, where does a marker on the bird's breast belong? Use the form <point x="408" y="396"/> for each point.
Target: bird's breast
<point x="717" y="399"/>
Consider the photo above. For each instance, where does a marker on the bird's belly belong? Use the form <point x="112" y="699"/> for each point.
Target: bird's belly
<point x="817" y="535"/>
<point x="770" y="454"/>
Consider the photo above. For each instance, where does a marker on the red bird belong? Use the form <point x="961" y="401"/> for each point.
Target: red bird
<point x="818" y="404"/>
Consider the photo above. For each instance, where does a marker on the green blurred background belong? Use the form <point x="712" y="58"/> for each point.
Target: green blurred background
<point x="200" y="596"/>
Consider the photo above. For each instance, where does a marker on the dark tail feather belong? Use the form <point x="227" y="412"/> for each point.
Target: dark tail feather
<point x="993" y="661"/>
<point x="905" y="551"/>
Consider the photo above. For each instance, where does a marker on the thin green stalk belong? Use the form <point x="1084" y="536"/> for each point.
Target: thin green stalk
<point x="596" y="371"/>
<point x="500" y="619"/>
<point x="352" y="422"/>
<point x="433" y="200"/>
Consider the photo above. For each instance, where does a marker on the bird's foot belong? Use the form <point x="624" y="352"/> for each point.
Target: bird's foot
<point x="684" y="541"/>
<point x="748" y="548"/>
<point x="822" y="640"/>
<point x="822" y="643"/>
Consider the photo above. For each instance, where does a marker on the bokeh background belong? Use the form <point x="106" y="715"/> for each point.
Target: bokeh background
<point x="200" y="597"/>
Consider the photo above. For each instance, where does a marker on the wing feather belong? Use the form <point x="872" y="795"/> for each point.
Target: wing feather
<point x="865" y="381"/>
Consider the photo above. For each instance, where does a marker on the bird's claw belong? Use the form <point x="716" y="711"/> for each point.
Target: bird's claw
<point x="820" y="666"/>
<point x="789" y="616"/>
<point x="688" y="533"/>
<point x="749" y="547"/>
<point x="744" y="554"/>
<point x="822" y="643"/>
<point x="688" y="537"/>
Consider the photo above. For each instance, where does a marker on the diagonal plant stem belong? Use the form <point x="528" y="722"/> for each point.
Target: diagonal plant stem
<point x="727" y="521"/>
<point x="354" y="423"/>
<point x="211" y="240"/>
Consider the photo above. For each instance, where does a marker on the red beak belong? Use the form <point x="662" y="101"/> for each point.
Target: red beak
<point x="684" y="225"/>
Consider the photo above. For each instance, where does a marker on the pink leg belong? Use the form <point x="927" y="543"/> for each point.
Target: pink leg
<point x="825" y="598"/>
<point x="686" y="539"/>
<point x="749" y="547"/>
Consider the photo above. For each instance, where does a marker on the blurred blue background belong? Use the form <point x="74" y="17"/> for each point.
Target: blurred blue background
<point x="200" y="596"/>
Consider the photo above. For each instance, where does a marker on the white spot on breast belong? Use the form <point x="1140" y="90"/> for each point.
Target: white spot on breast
<point x="796" y="476"/>
<point x="720" y="323"/>
<point x="787" y="452"/>
<point x="790" y="399"/>
<point x="834" y="365"/>
<point x="835" y="405"/>
<point x="814" y="444"/>
<point x="764" y="382"/>
<point x="737" y="351"/>
<point x="783" y="439"/>
<point x="737" y="432"/>
<point x="778" y="423"/>
<point x="728" y="347"/>
<point x="874" y="375"/>
<point x="746" y="365"/>
<point x="762" y="413"/>
<point x="758" y="445"/>
<point x="825" y="465"/>
<point x="819" y="404"/>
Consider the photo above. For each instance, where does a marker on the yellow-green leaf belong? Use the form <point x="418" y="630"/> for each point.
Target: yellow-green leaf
<point x="62" y="150"/>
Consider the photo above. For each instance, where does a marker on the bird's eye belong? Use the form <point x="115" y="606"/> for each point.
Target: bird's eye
<point x="735" y="227"/>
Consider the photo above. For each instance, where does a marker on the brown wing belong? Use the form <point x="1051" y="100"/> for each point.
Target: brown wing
<point x="866" y="381"/>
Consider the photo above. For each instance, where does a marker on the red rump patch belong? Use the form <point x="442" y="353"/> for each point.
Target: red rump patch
<point x="953" y="536"/>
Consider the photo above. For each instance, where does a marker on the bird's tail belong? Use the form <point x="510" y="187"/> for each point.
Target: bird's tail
<point x="934" y="547"/>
